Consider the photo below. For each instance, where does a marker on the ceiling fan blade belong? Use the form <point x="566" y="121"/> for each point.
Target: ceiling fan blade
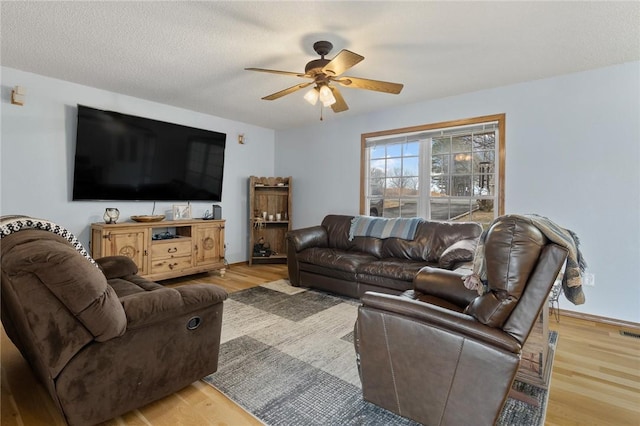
<point x="342" y="62"/>
<point x="295" y="74"/>
<point x="340" y="104"/>
<point x="287" y="91"/>
<point x="377" y="85"/>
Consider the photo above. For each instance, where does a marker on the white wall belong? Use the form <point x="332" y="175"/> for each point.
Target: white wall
<point x="573" y="150"/>
<point x="572" y="154"/>
<point x="38" y="143"/>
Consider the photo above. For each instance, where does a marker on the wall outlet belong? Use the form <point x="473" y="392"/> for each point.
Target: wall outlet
<point x="588" y="279"/>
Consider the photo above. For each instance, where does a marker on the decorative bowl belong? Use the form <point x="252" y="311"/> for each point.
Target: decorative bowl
<point x="148" y="218"/>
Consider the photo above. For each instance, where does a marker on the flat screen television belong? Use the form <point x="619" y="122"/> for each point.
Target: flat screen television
<point x="122" y="157"/>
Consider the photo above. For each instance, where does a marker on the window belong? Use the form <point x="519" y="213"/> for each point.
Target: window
<point x="445" y="171"/>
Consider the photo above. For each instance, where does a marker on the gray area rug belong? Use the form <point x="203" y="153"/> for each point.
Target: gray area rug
<point x="287" y="357"/>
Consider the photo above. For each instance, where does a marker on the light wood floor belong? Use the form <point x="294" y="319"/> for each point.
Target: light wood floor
<point x="595" y="378"/>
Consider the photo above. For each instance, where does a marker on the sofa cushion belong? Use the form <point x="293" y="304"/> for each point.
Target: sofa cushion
<point x="338" y="227"/>
<point x="381" y="285"/>
<point x="340" y="260"/>
<point x="445" y="234"/>
<point x="117" y="266"/>
<point x="324" y="271"/>
<point x="151" y="306"/>
<point x="369" y="245"/>
<point x="132" y="284"/>
<point x="459" y="252"/>
<point x="432" y="239"/>
<point x="432" y="300"/>
<point x="399" y="269"/>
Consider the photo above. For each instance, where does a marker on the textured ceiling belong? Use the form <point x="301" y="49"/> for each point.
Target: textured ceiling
<point x="193" y="54"/>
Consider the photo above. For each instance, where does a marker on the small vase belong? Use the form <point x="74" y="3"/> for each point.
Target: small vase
<point x="111" y="215"/>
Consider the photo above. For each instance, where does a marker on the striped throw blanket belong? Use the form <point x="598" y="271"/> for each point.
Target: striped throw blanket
<point x="378" y="227"/>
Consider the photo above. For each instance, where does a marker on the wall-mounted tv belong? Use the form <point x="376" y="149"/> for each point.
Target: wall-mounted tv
<point x="123" y="157"/>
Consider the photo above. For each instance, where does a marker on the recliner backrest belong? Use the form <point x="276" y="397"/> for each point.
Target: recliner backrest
<point x="54" y="300"/>
<point x="512" y="250"/>
<point x="524" y="315"/>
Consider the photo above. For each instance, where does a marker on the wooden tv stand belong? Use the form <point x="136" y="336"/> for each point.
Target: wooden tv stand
<point x="197" y="246"/>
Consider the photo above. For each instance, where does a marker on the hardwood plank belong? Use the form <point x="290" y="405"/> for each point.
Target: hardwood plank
<point x="595" y="378"/>
<point x="596" y="375"/>
<point x="32" y="401"/>
<point x="9" y="412"/>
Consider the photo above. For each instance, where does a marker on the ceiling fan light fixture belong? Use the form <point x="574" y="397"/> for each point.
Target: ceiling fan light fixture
<point x="312" y="96"/>
<point x="326" y="96"/>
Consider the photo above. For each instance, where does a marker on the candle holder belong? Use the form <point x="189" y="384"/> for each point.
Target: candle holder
<point x="111" y="215"/>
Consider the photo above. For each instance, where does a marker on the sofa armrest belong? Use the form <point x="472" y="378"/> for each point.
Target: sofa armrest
<point x="444" y="284"/>
<point x="146" y="308"/>
<point x="444" y="319"/>
<point x="300" y="239"/>
<point x="117" y="266"/>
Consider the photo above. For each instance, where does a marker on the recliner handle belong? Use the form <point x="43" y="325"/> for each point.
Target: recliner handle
<point x="194" y="322"/>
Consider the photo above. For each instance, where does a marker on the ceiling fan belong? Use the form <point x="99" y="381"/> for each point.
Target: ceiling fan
<point x="324" y="72"/>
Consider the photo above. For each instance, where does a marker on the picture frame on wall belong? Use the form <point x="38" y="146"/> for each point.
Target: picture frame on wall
<point x="181" y="211"/>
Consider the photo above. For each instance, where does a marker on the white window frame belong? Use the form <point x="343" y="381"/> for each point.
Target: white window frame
<point x="426" y="132"/>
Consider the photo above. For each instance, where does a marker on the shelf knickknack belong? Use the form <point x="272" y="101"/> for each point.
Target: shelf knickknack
<point x="259" y="222"/>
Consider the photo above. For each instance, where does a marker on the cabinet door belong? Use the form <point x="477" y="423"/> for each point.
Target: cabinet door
<point x="130" y="244"/>
<point x="209" y="244"/>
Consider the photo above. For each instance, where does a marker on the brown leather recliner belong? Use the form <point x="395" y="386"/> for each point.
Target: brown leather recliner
<point x="103" y="341"/>
<point x="441" y="354"/>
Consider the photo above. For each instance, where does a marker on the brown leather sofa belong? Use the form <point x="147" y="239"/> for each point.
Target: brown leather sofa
<point x="323" y="257"/>
<point x="103" y="341"/>
<point x="440" y="353"/>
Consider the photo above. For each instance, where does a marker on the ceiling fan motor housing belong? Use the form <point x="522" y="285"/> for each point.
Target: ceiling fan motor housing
<point x="322" y="48"/>
<point x="314" y="67"/>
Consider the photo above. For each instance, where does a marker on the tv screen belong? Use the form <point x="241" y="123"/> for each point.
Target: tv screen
<point x="124" y="157"/>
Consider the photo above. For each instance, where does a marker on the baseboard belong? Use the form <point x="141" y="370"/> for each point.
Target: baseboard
<point x="599" y="319"/>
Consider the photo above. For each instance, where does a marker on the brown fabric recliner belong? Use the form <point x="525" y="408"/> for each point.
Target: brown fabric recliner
<point x="440" y="354"/>
<point x="103" y="341"/>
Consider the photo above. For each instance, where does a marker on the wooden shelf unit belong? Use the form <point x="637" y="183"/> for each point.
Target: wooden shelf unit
<point x="273" y="196"/>
<point x="198" y="246"/>
<point x="537" y="354"/>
